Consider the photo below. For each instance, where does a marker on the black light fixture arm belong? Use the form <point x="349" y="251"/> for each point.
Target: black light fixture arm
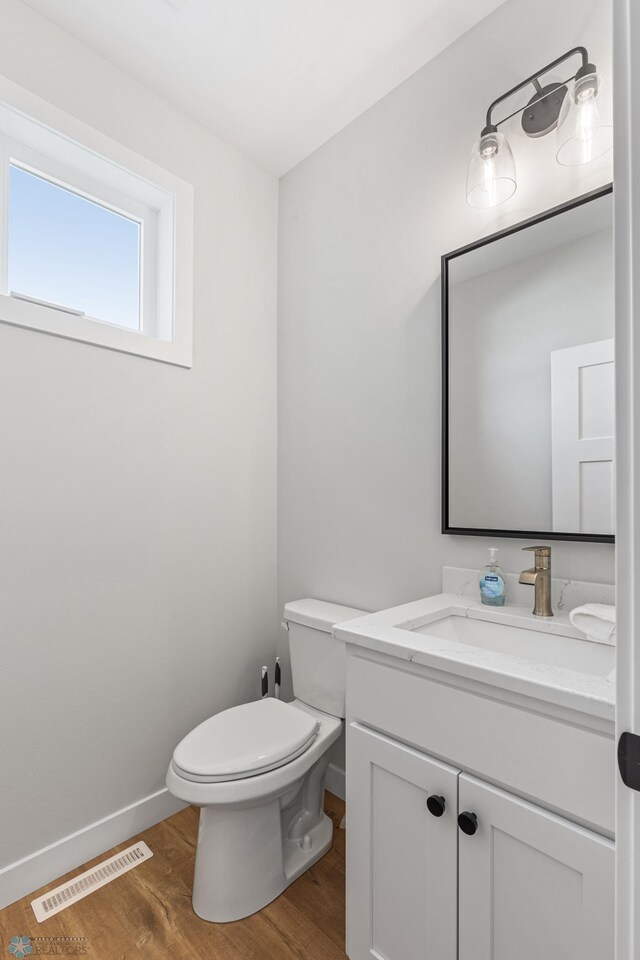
<point x="584" y="69"/>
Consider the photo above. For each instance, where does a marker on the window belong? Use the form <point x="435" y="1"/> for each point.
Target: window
<point x="96" y="241"/>
<point x="69" y="250"/>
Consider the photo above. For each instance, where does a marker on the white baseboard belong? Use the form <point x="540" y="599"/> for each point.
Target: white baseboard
<point x="336" y="781"/>
<point x="40" y="868"/>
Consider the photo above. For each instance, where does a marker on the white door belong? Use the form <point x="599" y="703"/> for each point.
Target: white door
<point x="532" y="886"/>
<point x="626" y="197"/>
<point x="401" y="858"/>
<point x="583" y="438"/>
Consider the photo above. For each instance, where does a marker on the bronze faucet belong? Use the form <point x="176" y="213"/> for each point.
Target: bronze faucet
<point x="540" y="577"/>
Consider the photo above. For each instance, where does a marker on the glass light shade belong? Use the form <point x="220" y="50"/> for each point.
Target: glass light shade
<point x="582" y="135"/>
<point x="491" y="175"/>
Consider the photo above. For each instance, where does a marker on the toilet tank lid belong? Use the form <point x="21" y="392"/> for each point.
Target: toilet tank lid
<point x="319" y="614"/>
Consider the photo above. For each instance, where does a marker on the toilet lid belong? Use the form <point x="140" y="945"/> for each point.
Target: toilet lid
<point x="245" y="741"/>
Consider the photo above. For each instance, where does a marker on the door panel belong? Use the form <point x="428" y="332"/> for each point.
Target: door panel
<point x="531" y="885"/>
<point x="401" y="860"/>
<point x="626" y="197"/>
<point x="583" y="437"/>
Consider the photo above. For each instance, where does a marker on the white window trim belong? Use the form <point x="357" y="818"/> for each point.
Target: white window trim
<point x="36" y="134"/>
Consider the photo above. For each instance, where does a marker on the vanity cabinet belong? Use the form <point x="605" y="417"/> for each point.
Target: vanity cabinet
<point x="521" y="883"/>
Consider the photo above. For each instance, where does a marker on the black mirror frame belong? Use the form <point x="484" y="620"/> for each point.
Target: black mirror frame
<point x="445" y="260"/>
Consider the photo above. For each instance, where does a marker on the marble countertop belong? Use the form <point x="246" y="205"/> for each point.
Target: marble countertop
<point x="392" y="632"/>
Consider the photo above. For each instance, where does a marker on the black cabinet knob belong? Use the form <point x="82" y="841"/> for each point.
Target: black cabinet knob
<point x="468" y="823"/>
<point x="436" y="805"/>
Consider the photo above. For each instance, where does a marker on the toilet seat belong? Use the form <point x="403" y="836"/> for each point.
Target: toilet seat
<point x="245" y="741"/>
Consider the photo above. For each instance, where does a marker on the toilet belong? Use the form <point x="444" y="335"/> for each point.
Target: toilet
<point x="257" y="771"/>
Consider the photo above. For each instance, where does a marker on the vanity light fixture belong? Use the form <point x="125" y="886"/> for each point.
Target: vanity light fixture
<point x="570" y="108"/>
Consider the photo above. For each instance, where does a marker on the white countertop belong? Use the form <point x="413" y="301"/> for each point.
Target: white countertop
<point x="391" y="632"/>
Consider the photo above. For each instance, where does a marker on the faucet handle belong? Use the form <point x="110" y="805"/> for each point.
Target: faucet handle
<point x="543" y="557"/>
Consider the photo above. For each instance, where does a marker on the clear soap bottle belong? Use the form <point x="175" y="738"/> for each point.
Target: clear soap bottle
<point x="492" y="582"/>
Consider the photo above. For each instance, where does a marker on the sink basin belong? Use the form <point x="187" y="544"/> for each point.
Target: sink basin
<point x="506" y="648"/>
<point x="551" y="649"/>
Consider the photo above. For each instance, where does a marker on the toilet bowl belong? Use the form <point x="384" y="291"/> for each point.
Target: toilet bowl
<point x="258" y="770"/>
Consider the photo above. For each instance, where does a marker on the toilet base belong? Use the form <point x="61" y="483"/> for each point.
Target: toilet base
<point x="247" y="856"/>
<point x="297" y="859"/>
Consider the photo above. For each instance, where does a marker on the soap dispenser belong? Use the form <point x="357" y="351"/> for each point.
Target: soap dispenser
<point x="492" y="582"/>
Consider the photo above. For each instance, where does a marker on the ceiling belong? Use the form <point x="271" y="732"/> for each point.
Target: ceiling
<point x="275" y="77"/>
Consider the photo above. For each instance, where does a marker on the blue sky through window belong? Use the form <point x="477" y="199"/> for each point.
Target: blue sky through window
<point x="71" y="251"/>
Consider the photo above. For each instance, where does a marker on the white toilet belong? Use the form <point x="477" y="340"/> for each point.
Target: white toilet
<point x="258" y="772"/>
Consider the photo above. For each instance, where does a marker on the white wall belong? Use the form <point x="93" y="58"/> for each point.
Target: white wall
<point x="138" y="500"/>
<point x="363" y="223"/>
<point x="503" y="326"/>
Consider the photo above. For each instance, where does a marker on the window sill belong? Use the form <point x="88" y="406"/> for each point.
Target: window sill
<point x="58" y="323"/>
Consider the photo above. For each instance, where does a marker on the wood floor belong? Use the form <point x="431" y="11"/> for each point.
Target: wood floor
<point x="147" y="912"/>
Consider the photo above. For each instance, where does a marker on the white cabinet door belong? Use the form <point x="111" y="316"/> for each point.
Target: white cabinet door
<point x="401" y="859"/>
<point x="531" y="885"/>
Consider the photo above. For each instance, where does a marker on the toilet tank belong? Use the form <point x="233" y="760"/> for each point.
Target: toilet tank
<point x="318" y="660"/>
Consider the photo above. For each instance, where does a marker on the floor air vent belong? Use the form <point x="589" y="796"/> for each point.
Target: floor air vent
<point x="67" y="893"/>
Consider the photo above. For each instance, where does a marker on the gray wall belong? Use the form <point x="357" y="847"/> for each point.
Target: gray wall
<point x="363" y="223"/>
<point x="138" y="520"/>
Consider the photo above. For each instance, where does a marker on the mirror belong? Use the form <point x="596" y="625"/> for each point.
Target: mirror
<point x="528" y="378"/>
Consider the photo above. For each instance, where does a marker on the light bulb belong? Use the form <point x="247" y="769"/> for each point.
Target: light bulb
<point x="491" y="175"/>
<point x="582" y="136"/>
